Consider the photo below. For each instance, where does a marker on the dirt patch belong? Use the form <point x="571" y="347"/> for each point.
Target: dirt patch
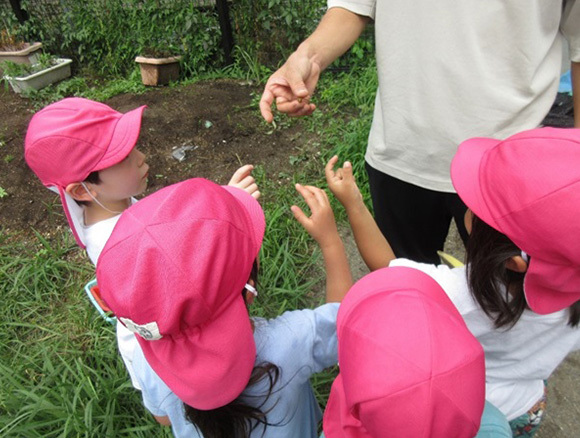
<point x="219" y="119"/>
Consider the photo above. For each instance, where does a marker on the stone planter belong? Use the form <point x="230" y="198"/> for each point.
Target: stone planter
<point x="158" y="71"/>
<point x="43" y="78"/>
<point x="28" y="55"/>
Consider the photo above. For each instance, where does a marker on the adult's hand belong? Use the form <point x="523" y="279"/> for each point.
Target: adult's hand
<point x="291" y="87"/>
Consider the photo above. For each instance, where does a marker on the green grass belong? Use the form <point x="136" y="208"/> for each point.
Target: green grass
<point x="60" y="373"/>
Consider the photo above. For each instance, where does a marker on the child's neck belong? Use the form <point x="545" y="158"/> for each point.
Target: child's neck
<point x="94" y="212"/>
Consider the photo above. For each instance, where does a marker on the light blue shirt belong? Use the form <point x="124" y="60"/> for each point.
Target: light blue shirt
<point x="494" y="424"/>
<point x="300" y="343"/>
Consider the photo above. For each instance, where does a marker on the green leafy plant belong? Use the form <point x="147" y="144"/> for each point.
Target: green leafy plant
<point x="105" y="37"/>
<point x="273" y="28"/>
<point x="15" y="70"/>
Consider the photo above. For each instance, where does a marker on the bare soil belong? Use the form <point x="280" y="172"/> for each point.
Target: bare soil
<point x="218" y="119"/>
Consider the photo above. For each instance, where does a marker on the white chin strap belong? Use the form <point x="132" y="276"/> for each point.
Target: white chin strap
<point x="251" y="289"/>
<point x="97" y="201"/>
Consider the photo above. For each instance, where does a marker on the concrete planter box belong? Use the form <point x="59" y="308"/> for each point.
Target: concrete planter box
<point x="158" y="71"/>
<point x="28" y="55"/>
<point x="42" y="78"/>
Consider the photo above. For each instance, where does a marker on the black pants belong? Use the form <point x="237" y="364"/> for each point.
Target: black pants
<point x="414" y="220"/>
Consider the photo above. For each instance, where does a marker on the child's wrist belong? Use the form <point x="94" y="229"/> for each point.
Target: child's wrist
<point x="355" y="207"/>
<point x="331" y="243"/>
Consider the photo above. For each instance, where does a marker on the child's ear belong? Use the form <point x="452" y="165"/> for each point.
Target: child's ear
<point x="78" y="192"/>
<point x="516" y="264"/>
<point x="249" y="299"/>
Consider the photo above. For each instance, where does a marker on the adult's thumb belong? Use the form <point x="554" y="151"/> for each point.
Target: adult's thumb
<point x="298" y="86"/>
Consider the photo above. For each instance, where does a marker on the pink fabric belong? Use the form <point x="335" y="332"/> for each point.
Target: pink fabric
<point x="73" y="137"/>
<point x="528" y="188"/>
<point x="180" y="258"/>
<point x="408" y="364"/>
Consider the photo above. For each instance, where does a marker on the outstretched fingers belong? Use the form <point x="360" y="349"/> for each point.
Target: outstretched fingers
<point x="243" y="179"/>
<point x="241" y="173"/>
<point x="329" y="168"/>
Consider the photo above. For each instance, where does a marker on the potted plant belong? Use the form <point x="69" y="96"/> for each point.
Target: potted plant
<point x="159" y="62"/>
<point x="14" y="50"/>
<point x="48" y="70"/>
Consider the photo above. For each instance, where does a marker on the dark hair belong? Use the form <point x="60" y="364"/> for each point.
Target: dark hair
<point x="93" y="178"/>
<point x="237" y="419"/>
<point x="498" y="290"/>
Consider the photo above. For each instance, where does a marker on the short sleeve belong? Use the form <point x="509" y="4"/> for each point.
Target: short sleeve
<point x="360" y="7"/>
<point x="452" y="280"/>
<point x="160" y="400"/>
<point x="577" y="346"/>
<point x="154" y="390"/>
<point x="304" y="341"/>
<point x="325" y="343"/>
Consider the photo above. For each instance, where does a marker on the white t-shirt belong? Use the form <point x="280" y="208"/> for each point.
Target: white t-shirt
<point x="96" y="237"/>
<point x="450" y="70"/>
<point x="517" y="360"/>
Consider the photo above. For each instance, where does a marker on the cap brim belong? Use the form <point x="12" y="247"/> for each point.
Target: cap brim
<point x="124" y="138"/>
<point x="466" y="176"/>
<point x="74" y="214"/>
<point x="549" y="289"/>
<point x="253" y="210"/>
<point x="194" y="365"/>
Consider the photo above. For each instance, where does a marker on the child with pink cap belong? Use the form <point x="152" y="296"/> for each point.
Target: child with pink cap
<point x="409" y="367"/>
<point x="87" y="153"/>
<point x="180" y="272"/>
<point x="519" y="293"/>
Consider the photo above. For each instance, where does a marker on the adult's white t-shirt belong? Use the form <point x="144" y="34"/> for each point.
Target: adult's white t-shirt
<point x="451" y="70"/>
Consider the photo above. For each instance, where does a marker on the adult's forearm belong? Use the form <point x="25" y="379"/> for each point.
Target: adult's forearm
<point x="575" y="74"/>
<point x="335" y="34"/>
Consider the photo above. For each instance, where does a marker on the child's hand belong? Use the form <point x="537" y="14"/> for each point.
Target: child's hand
<point x="342" y="184"/>
<point x="243" y="179"/>
<point x="321" y="224"/>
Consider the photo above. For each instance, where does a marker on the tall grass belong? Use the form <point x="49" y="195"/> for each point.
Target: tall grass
<point x="59" y="368"/>
<point x="60" y="373"/>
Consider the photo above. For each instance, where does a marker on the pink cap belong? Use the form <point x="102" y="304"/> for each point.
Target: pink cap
<point x="173" y="272"/>
<point x="73" y="137"/>
<point x="408" y="363"/>
<point x="528" y="188"/>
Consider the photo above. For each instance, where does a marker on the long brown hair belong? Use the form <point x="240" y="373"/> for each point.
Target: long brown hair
<point x="237" y="419"/>
<point x="498" y="290"/>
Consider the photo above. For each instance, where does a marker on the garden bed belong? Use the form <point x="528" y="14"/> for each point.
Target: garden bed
<point x="217" y="118"/>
